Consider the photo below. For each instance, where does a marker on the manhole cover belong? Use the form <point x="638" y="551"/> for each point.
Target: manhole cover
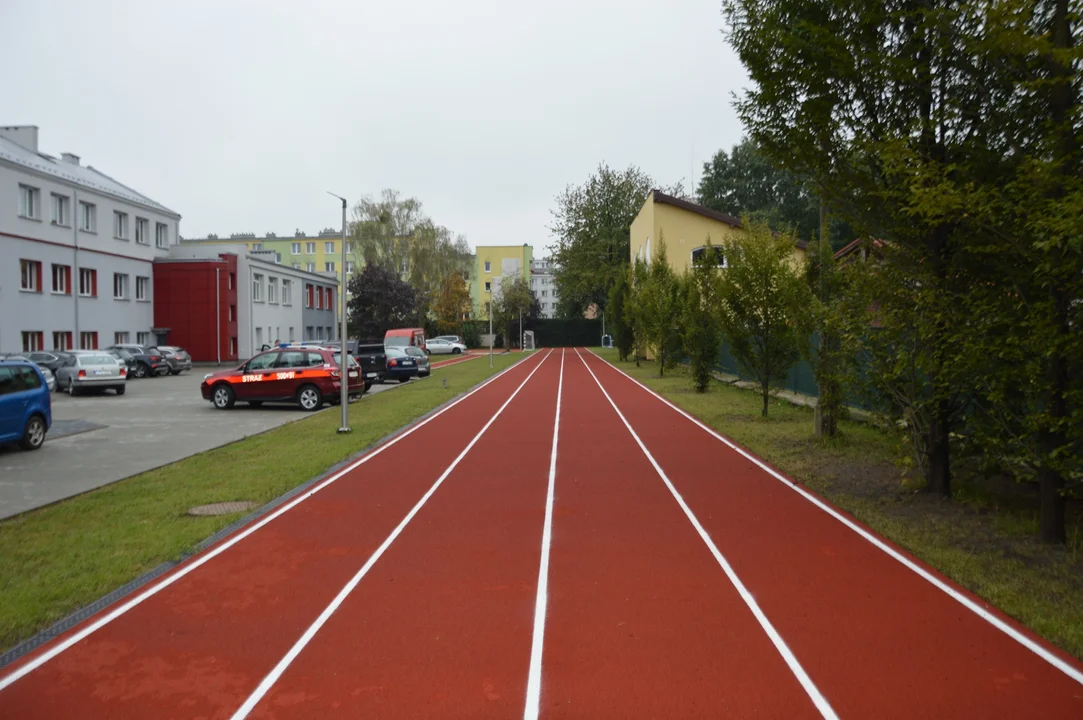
<point x="222" y="508"/>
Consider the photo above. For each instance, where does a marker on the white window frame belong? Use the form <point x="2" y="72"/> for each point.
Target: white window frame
<point x="143" y="338"/>
<point x="329" y="248"/>
<point x="64" y="336"/>
<point x="295" y="248"/>
<point x="121" y="337"/>
<point x="124" y="284"/>
<point x="272" y="290"/>
<point x="91" y="338"/>
<point x="310" y="248"/>
<point x="310" y="267"/>
<point x="142" y="229"/>
<point x="88" y="217"/>
<point x="329" y="266"/>
<point x="91" y="280"/>
<point x="29" y="202"/>
<point x="120" y="225"/>
<point x="257" y="287"/>
<point x="161" y="236"/>
<point x="287" y="297"/>
<point x="61" y="287"/>
<point x="692" y="256"/>
<point x="142" y="282"/>
<point x="36" y="338"/>
<point x="488" y="266"/>
<point x="349" y="266"/>
<point x="28" y="275"/>
<point x="61" y="212"/>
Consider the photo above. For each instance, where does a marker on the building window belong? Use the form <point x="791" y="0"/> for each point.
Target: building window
<point x="233" y="346"/>
<point x="310" y="248"/>
<point x="319" y="297"/>
<point x="308" y="297"/>
<point x="142" y="288"/>
<point x="120" y="286"/>
<point x="229" y="282"/>
<point x="29" y="202"/>
<point x="161" y="235"/>
<point x="328" y="267"/>
<point x="259" y="340"/>
<point x="297" y="266"/>
<point x="61" y="214"/>
<point x="88" y="218"/>
<point x="488" y="287"/>
<point x="88" y="341"/>
<point x="33" y="341"/>
<point x="120" y="225"/>
<point x="488" y="266"/>
<point x="287" y="293"/>
<point x="295" y="248"/>
<point x="349" y="247"/>
<point x="545" y="293"/>
<point x="62" y="340"/>
<point x="256" y="247"/>
<point x="61" y="280"/>
<point x="319" y="333"/>
<point x="232" y="313"/>
<point x="327" y="299"/>
<point x="143" y="338"/>
<point x="311" y="267"/>
<point x="272" y="290"/>
<point x="349" y="266"/>
<point x="531" y="282"/>
<point x="30" y="275"/>
<point x="257" y="288"/>
<point x="308" y="332"/>
<point x="278" y="257"/>
<point x="88" y="282"/>
<point x="291" y="335"/>
<point x="142" y="231"/>
<point x="121" y="338"/>
<point x="328" y="247"/>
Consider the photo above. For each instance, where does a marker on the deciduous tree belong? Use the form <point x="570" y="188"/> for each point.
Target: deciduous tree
<point x="379" y="301"/>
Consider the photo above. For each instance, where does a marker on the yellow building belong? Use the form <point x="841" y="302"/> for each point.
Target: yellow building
<point x="492" y="263"/>
<point x="685" y="227"/>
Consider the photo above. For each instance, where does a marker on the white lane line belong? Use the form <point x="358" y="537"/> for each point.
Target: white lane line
<point x="533" y="685"/>
<point x="791" y="660"/>
<point x="955" y="594"/>
<point x="272" y="677"/>
<point x="219" y="549"/>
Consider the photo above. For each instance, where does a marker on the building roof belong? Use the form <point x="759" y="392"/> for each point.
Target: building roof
<point x="854" y="246"/>
<point x="661" y="197"/>
<point x="81" y="175"/>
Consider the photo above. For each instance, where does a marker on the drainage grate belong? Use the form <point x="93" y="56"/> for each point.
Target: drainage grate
<point x="225" y="508"/>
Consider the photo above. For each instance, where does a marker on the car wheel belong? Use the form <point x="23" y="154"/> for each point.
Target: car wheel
<point x="309" y="398"/>
<point x="455" y="351"/>
<point x="71" y="387"/>
<point x="368" y="386"/>
<point x="120" y="389"/>
<point x="141" y="370"/>
<point x="255" y="403"/>
<point x="402" y="380"/>
<point x="223" y="396"/>
<point x="34" y="435"/>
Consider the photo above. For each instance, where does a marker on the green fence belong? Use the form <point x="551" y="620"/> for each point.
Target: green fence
<point x="576" y="332"/>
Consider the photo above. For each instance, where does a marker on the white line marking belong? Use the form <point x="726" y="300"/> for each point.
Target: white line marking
<point x="955" y="594"/>
<point x="533" y="685"/>
<point x="795" y="667"/>
<point x="272" y="677"/>
<point x="219" y="549"/>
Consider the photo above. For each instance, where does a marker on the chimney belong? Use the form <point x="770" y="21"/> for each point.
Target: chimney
<point x="70" y="158"/>
<point x="25" y="136"/>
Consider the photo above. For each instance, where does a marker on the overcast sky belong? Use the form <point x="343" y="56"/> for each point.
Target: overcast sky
<point x="240" y="115"/>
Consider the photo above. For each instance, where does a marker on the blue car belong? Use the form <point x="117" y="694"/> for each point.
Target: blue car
<point x="400" y="366"/>
<point x="25" y="408"/>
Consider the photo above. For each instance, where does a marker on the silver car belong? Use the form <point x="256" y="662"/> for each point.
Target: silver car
<point x="86" y="369"/>
<point x="423" y="369"/>
<point x="436" y="346"/>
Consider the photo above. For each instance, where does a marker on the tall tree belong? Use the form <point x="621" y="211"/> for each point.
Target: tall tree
<point x="514" y="302"/>
<point x="619" y="316"/>
<point x="763" y="294"/>
<point x="381" y="228"/>
<point x="452" y="303"/>
<point x="592" y="223"/>
<point x="746" y="182"/>
<point x="639" y="275"/>
<point x="379" y="301"/>
<point x="701" y="332"/>
<point x="658" y="305"/>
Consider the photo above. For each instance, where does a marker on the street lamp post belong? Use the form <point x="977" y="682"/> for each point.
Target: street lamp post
<point x="490" y="325"/>
<point x="343" y="351"/>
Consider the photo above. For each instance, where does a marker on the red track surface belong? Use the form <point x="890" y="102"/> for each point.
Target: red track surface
<point x="380" y="596"/>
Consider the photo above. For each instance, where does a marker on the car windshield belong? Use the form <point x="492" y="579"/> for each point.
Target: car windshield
<point x="415" y="351"/>
<point x="96" y="360"/>
<point x="397" y="341"/>
<point x="120" y="353"/>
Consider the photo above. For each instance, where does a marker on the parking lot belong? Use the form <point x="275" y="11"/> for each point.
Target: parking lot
<point x="100" y="438"/>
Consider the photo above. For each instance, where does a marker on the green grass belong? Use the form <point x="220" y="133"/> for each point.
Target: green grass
<point x="983" y="541"/>
<point x="59" y="558"/>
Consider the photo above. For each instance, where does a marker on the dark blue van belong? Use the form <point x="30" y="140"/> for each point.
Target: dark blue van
<point x="25" y="410"/>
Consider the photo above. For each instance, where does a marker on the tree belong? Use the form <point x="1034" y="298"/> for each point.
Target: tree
<point x="700" y="327"/>
<point x="637" y="310"/>
<point x="514" y="301"/>
<point x="592" y="223"/>
<point x="619" y="313"/>
<point x="380" y="300"/>
<point x="452" y="303"/>
<point x="658" y="309"/>
<point x="762" y="297"/>
<point x="745" y="182"/>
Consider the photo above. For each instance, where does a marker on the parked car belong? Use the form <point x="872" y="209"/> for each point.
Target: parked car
<point x="404" y="337"/>
<point x="422" y="360"/>
<point x="25" y="405"/>
<point x="149" y="360"/>
<point x="444" y="347"/>
<point x="91" y="369"/>
<point x="400" y="366"/>
<point x="125" y="358"/>
<point x="177" y="358"/>
<point x="373" y="361"/>
<point x="306" y="375"/>
<point x="50" y="379"/>
<point x="451" y="339"/>
<point x="51" y="360"/>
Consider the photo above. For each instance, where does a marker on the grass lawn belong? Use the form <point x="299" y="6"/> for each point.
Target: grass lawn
<point x="984" y="539"/>
<point x="62" y="557"/>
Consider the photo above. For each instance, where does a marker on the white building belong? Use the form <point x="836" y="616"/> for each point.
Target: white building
<point x="76" y="251"/>
<point x="543" y="287"/>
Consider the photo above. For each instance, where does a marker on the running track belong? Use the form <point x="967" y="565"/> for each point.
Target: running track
<point x="559" y="543"/>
